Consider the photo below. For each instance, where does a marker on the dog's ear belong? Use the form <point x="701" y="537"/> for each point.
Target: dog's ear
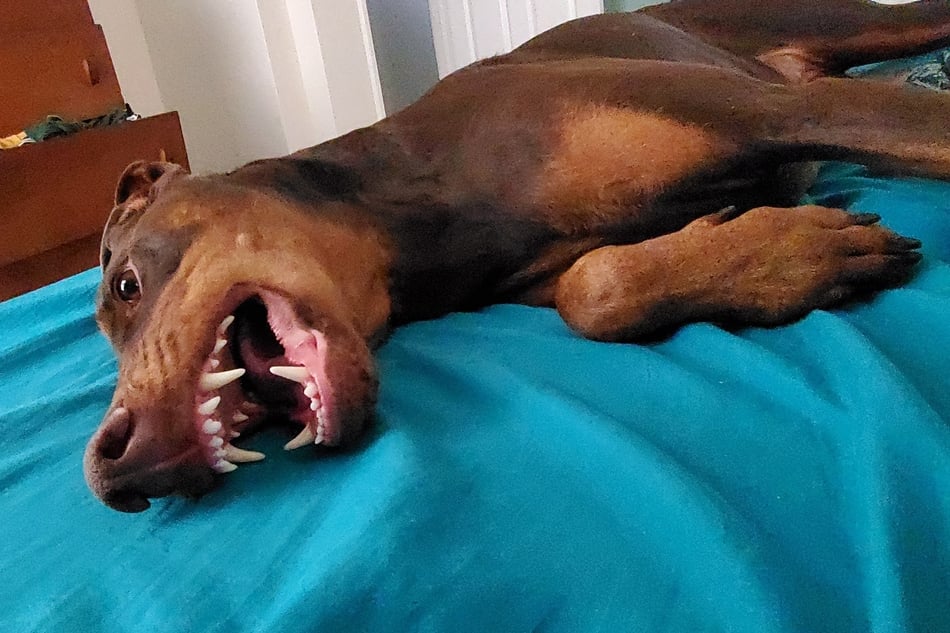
<point x="146" y="179"/>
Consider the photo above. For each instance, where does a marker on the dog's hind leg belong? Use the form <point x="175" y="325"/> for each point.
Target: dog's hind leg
<point x="769" y="266"/>
<point x="804" y="39"/>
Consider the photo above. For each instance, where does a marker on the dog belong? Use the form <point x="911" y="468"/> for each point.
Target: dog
<point x="635" y="171"/>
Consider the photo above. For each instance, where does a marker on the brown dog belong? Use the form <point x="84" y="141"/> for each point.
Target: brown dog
<point x="582" y="171"/>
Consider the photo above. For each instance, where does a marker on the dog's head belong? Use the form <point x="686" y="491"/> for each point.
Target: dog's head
<point x="225" y="303"/>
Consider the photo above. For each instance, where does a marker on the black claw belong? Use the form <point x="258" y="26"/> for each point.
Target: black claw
<point x="866" y="219"/>
<point x="908" y="243"/>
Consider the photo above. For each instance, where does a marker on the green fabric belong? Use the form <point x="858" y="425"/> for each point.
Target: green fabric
<point x="53" y="126"/>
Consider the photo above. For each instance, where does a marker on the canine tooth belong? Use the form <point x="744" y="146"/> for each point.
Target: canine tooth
<point x="239" y="455"/>
<point x="211" y="381"/>
<point x="226" y="323"/>
<point x="219" y="345"/>
<point x="306" y="437"/>
<point x="239" y="417"/>
<point x="224" y="466"/>
<point x="211" y="426"/>
<point x="215" y="441"/>
<point x="311" y="390"/>
<point x="209" y="406"/>
<point x="297" y="374"/>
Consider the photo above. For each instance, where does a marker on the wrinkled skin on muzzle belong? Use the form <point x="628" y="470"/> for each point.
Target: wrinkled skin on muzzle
<point x="217" y="328"/>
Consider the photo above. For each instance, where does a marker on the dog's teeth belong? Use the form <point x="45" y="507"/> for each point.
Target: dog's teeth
<point x="239" y="455"/>
<point x="240" y="417"/>
<point x="318" y="439"/>
<point x="215" y="441"/>
<point x="225" y="324"/>
<point x="208" y="407"/>
<point x="315" y="405"/>
<point x="297" y="374"/>
<point x="211" y="381"/>
<point x="214" y="362"/>
<point x="211" y="426"/>
<point x="219" y="345"/>
<point x="234" y="434"/>
<point x="306" y="437"/>
<point x="311" y="390"/>
<point x="224" y="466"/>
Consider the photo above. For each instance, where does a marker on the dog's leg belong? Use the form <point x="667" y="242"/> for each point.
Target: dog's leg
<point x="685" y="129"/>
<point x="893" y="129"/>
<point x="804" y="39"/>
<point x="769" y="266"/>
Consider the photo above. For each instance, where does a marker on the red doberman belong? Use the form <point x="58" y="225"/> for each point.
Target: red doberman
<point x="636" y="171"/>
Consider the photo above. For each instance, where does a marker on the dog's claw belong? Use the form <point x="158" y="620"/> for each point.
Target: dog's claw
<point x="866" y="219"/>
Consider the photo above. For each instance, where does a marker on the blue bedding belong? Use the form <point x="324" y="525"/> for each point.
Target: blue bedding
<point x="521" y="479"/>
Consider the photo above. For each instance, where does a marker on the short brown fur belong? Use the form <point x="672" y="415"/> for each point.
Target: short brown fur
<point x="586" y="170"/>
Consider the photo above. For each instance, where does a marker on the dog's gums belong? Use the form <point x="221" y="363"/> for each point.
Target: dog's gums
<point x="636" y="172"/>
<point x="235" y="390"/>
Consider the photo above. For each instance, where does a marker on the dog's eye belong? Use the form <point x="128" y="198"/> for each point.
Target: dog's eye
<point x="127" y="287"/>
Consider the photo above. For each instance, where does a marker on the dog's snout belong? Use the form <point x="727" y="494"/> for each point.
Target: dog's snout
<point x="128" y="461"/>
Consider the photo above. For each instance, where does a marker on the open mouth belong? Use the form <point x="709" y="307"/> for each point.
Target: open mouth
<point x="264" y="361"/>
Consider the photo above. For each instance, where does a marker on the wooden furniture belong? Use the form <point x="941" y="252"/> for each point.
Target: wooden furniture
<point x="55" y="196"/>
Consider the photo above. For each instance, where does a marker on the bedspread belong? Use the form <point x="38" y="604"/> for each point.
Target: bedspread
<point x="519" y="478"/>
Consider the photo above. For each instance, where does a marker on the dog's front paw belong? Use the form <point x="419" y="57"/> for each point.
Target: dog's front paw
<point x="773" y="265"/>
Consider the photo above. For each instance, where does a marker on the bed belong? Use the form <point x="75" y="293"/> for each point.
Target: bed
<point x="519" y="478"/>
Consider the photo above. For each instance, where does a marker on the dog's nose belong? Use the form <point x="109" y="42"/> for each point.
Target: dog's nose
<point x="103" y="463"/>
<point x="126" y="462"/>
<point x="114" y="435"/>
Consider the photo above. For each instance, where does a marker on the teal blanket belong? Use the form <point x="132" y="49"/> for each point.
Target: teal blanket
<point x="522" y="479"/>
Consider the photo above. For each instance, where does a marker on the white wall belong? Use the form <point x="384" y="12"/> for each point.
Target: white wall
<point x="467" y="30"/>
<point x="250" y="78"/>
<point x="130" y="56"/>
<point x="402" y="34"/>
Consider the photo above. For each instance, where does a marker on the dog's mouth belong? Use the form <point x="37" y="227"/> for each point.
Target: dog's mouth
<point x="265" y="361"/>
